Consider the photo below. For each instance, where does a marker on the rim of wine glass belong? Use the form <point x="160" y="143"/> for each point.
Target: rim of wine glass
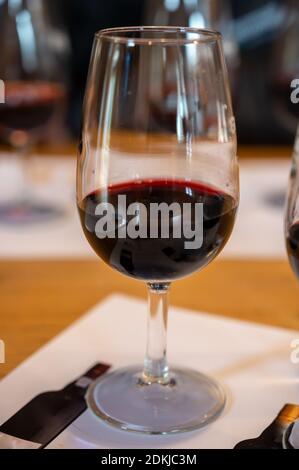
<point x="121" y="35"/>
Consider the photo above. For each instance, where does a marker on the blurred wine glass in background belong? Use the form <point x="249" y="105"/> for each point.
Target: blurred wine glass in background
<point x="34" y="70"/>
<point x="210" y="14"/>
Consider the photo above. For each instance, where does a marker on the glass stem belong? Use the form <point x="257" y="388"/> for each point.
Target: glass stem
<point x="155" y="363"/>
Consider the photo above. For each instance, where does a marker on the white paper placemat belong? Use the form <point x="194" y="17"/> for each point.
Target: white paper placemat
<point x="252" y="361"/>
<point x="258" y="231"/>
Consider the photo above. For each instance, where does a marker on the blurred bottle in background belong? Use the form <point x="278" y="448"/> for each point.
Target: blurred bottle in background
<point x="33" y="66"/>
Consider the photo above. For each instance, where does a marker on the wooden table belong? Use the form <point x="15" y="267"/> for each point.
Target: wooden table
<point x="40" y="298"/>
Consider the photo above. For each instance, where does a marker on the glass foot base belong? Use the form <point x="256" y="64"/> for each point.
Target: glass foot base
<point x="27" y="212"/>
<point x="190" y="401"/>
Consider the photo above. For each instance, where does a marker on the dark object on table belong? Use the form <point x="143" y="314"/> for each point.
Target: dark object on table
<point x="275" y="199"/>
<point x="271" y="438"/>
<point x="48" y="414"/>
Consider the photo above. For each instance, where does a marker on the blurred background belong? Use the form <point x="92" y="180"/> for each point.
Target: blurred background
<point x="261" y="40"/>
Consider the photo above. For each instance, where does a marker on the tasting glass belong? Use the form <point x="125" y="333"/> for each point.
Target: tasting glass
<point x="158" y="108"/>
<point x="33" y="64"/>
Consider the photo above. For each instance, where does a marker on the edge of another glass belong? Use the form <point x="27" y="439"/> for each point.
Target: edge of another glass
<point x="122" y="36"/>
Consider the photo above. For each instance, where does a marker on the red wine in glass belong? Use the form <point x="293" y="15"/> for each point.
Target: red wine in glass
<point x="29" y="104"/>
<point x="161" y="259"/>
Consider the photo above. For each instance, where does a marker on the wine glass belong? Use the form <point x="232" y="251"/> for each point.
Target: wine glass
<point x="214" y="14"/>
<point x="35" y="95"/>
<point x="157" y="198"/>
<point x="292" y="211"/>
